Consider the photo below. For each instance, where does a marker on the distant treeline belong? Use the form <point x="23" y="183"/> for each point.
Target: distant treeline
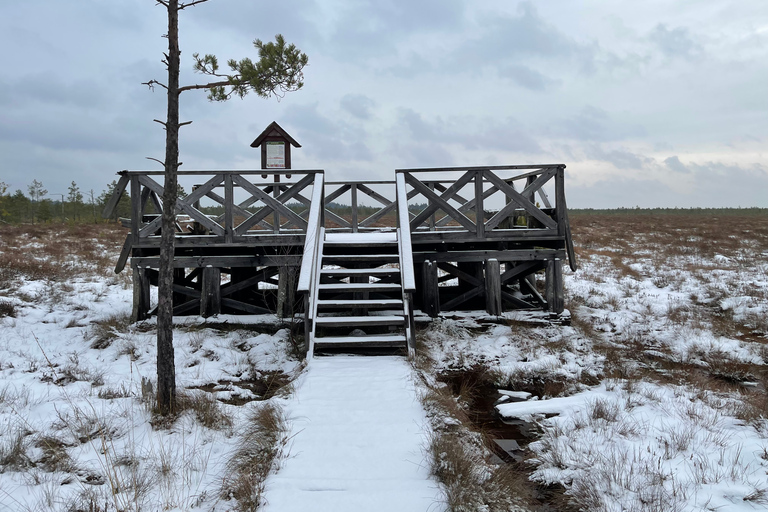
<point x="669" y="211"/>
<point x="38" y="205"/>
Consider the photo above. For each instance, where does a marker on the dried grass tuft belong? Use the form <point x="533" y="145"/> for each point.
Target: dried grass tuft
<point x="262" y="446"/>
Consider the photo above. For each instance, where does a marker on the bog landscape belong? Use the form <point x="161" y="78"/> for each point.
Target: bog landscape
<point x="648" y="393"/>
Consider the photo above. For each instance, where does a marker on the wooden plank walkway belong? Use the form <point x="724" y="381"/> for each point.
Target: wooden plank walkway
<point x="359" y="439"/>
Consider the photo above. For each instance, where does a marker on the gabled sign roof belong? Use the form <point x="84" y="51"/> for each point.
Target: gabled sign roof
<point x="274" y="130"/>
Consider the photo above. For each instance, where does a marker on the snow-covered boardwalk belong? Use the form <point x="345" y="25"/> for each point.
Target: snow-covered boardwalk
<point x="359" y="438"/>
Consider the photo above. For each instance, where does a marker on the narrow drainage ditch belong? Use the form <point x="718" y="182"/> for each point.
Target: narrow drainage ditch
<point x="506" y="438"/>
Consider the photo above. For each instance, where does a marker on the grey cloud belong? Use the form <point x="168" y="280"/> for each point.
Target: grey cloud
<point x="422" y="155"/>
<point x="358" y="105"/>
<point x="716" y="185"/>
<point x="331" y="139"/>
<point x="47" y="89"/>
<point x="595" y="124"/>
<point x="505" y="135"/>
<point x="622" y="192"/>
<point x="526" y="77"/>
<point x="620" y="158"/>
<point x="674" y="164"/>
<point x="296" y="20"/>
<point x="510" y="40"/>
<point x="674" y="43"/>
<point x="369" y="28"/>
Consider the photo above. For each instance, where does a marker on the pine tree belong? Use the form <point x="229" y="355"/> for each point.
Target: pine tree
<point x="278" y="71"/>
<point x="75" y="199"/>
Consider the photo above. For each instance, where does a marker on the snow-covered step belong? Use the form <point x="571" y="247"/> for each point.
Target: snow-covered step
<point x="344" y="258"/>
<point x="363" y="303"/>
<point x="360" y="271"/>
<point x="359" y="287"/>
<point x="358" y="321"/>
<point x="377" y="341"/>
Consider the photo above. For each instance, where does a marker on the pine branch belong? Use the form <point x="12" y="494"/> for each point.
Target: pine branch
<point x="206" y="86"/>
<point x="152" y="83"/>
<point x="190" y="4"/>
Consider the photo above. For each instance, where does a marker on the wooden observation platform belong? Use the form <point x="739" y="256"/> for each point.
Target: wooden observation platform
<point x="354" y="258"/>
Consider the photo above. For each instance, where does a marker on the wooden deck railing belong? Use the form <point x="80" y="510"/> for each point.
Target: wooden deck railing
<point x="456" y="203"/>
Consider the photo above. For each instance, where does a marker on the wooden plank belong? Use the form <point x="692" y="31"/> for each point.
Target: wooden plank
<point x="368" y="303"/>
<point x="521" y="200"/>
<point x="243" y="306"/>
<point x="136" y="209"/>
<point x="262" y="275"/>
<point x="479" y="211"/>
<point x="382" y="341"/>
<point x="527" y="286"/>
<point x="286" y="291"/>
<point x="509" y="255"/>
<point x="197" y="172"/>
<point x="356" y="321"/>
<point x="520" y="270"/>
<point x="210" y="296"/>
<point x="314" y="225"/>
<point x="273" y="203"/>
<point x="462" y="275"/>
<point x="440" y="202"/>
<point x="219" y="261"/>
<point x="554" y="286"/>
<point x="468" y="206"/>
<point x="186" y="291"/>
<point x="156" y="202"/>
<point x="405" y="249"/>
<point x="332" y="196"/>
<point x="124" y="253"/>
<point x="464" y="297"/>
<point x="114" y="199"/>
<point x="229" y="201"/>
<point x="353" y="193"/>
<point x="359" y="287"/>
<point x="140" y="294"/>
<point x="430" y="290"/>
<point x="520" y="303"/>
<point x="493" y="287"/>
<point x="185" y="204"/>
<point x="186" y="307"/>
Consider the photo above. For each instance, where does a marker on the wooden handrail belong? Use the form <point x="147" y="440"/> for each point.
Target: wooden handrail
<point x="404" y="236"/>
<point x="312" y="239"/>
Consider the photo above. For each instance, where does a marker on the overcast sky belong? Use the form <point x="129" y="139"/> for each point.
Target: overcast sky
<point x="651" y="103"/>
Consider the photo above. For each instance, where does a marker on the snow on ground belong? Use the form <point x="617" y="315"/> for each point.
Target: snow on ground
<point x="358" y="437"/>
<point x="75" y="428"/>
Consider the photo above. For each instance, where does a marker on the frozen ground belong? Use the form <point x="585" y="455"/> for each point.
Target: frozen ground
<point x="652" y="399"/>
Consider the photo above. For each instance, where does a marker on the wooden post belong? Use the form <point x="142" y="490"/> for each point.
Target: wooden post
<point x="286" y="291"/>
<point x="179" y="275"/>
<point x="430" y="291"/>
<point x="140" y="294"/>
<point x="479" y="207"/>
<point x="554" y="286"/>
<point x="210" y="296"/>
<point x="493" y="287"/>
<point x="353" y="200"/>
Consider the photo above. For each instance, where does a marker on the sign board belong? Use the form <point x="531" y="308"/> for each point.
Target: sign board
<point x="275" y="155"/>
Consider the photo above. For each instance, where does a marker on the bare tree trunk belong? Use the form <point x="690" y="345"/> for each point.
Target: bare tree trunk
<point x="166" y="372"/>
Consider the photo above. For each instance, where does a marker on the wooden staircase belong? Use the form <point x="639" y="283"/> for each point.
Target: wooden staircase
<point x="359" y="301"/>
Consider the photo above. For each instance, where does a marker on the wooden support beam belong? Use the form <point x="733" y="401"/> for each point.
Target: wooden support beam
<point x="554" y="286"/>
<point x="430" y="290"/>
<point x="115" y="197"/>
<point x="140" y="294"/>
<point x="210" y="297"/>
<point x="286" y="291"/>
<point x="493" y="287"/>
